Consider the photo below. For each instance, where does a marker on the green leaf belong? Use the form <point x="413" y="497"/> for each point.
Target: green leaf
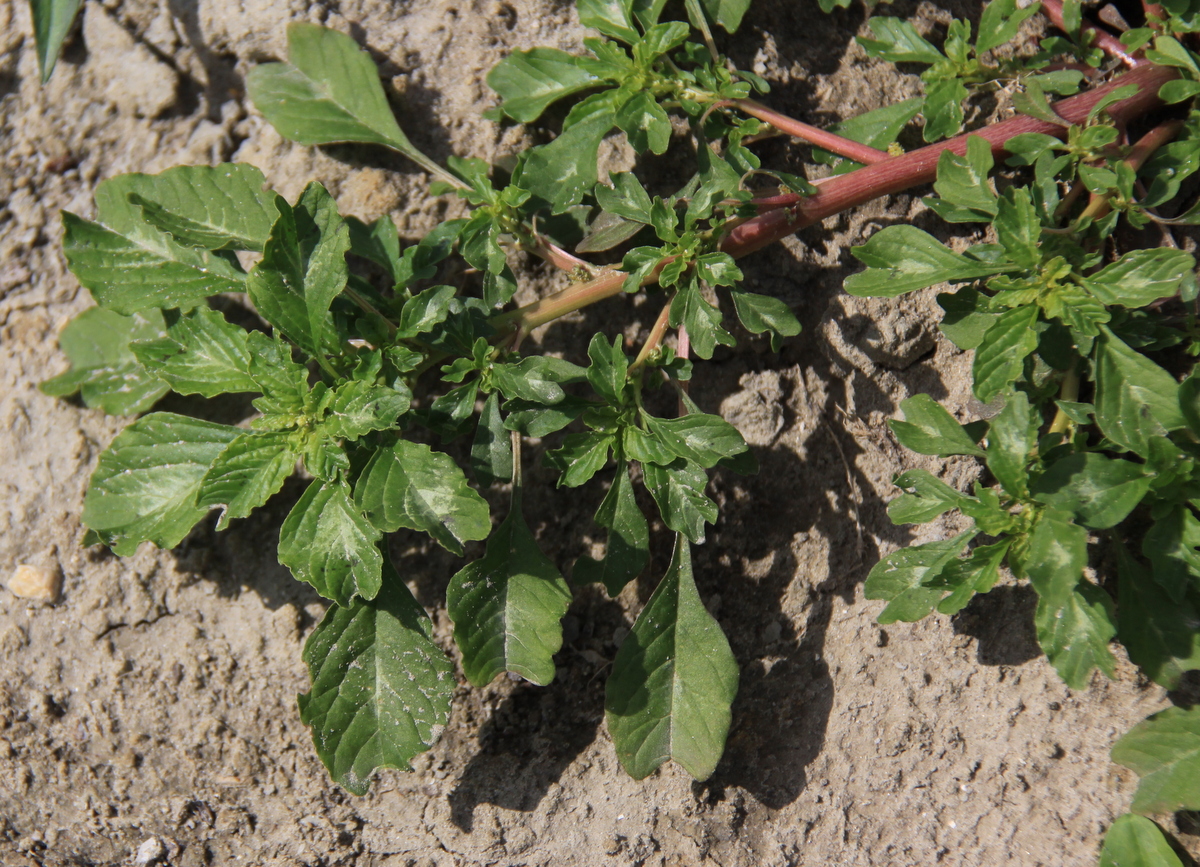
<point x="1141" y="277"/>
<point x="329" y="92"/>
<point x="1161" y="634"/>
<point x="904" y="578"/>
<point x="1017" y="227"/>
<point x="897" y="41"/>
<point x="1075" y="636"/>
<point x="327" y="542"/>
<point x="381" y="688"/>
<point x="943" y="108"/>
<point x="966" y="318"/>
<point x="761" y="313"/>
<point x="564" y="171"/>
<point x="727" y="13"/>
<point x="104" y="369"/>
<point x="699" y="437"/>
<point x="628" y="548"/>
<point x="52" y="20"/>
<point x="1055" y="558"/>
<point x="200" y="354"/>
<point x="1099" y="492"/>
<point x="1164" y="750"/>
<point x="529" y="81"/>
<point x="878" y="128"/>
<point x="1000" y="358"/>
<point x="999" y="23"/>
<point x="626" y="198"/>
<point x="507" y="607"/>
<point x="1135" y="398"/>
<point x="302" y="270"/>
<point x="215" y="207"/>
<point x="703" y="320"/>
<point x="962" y="184"/>
<point x="673" y="681"/>
<point x="247" y="473"/>
<point x="1012" y="435"/>
<point x="976" y="573"/>
<point x="580" y="457"/>
<point x="1171" y="547"/>
<point x="613" y="18"/>
<point x="357" y="408"/>
<point x="645" y="123"/>
<point x="144" y="487"/>
<point x="608" y="369"/>
<point x="924" y="499"/>
<point x="1135" y="841"/>
<point x="900" y="259"/>
<point x="929" y="430"/>
<point x="491" y="453"/>
<point x="143" y="269"/>
<point x="410" y="485"/>
<point x="678" y="489"/>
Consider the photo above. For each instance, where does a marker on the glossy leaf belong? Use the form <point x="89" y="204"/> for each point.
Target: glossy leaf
<point x="491" y="453"/>
<point x="1135" y="841"/>
<point x="929" y="429"/>
<point x="381" y="687"/>
<point x="529" y="81"/>
<point x="1012" y="436"/>
<point x="1000" y="358"/>
<point x="507" y="606"/>
<point x="1141" y="277"/>
<point x="52" y="21"/>
<point x="906" y="578"/>
<point x="1075" y="635"/>
<point x="673" y="681"/>
<point x="144" y="487"/>
<point x="900" y="259"/>
<point x="104" y="369"/>
<point x="1055" y="559"/>
<point x="1135" y="398"/>
<point x="678" y="489"/>
<point x="410" y="485"/>
<point x="628" y="548"/>
<point x="699" y="437"/>
<point x="327" y="542"/>
<point x="1098" y="491"/>
<point x="247" y="473"/>
<point x="201" y="353"/>
<point x="1161" y="634"/>
<point x="1164" y="750"/>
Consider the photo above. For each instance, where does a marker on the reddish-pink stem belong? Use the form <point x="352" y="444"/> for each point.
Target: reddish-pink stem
<point x="1053" y="9"/>
<point x="832" y="142"/>
<point x="920" y="166"/>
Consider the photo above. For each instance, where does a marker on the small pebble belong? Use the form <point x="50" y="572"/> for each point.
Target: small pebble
<point x="37" y="584"/>
<point x="150" y="852"/>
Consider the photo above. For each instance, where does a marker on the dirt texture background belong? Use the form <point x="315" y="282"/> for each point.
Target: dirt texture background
<point x="154" y="709"/>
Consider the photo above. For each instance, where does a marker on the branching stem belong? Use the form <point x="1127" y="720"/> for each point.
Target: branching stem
<point x="1102" y="39"/>
<point x="832" y="142"/>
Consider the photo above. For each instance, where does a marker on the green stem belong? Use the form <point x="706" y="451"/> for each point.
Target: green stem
<point x="1069" y="391"/>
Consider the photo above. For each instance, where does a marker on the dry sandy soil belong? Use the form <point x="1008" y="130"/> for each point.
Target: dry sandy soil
<point x="157" y="699"/>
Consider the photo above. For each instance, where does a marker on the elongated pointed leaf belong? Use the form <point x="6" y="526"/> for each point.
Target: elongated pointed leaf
<point x="327" y="92"/>
<point x="904" y="578"/>
<point x="529" y="81"/>
<point x="564" y="171"/>
<point x="1164" y="751"/>
<point x="1075" y="635"/>
<point x="1056" y="556"/>
<point x="52" y="20"/>
<point x="1171" y="546"/>
<point x="727" y="13"/>
<point x="976" y="573"/>
<point x="410" y="485"/>
<point x="1012" y="435"/>
<point x="1162" y="635"/>
<point x="929" y="429"/>
<point x="678" y="489"/>
<point x="1135" y="841"/>
<point x="507" y="607"/>
<point x="215" y="207"/>
<point x="104" y="369"/>
<point x="628" y="539"/>
<point x="327" y="542"/>
<point x="247" y="473"/>
<point x="613" y="18"/>
<point x="381" y="688"/>
<point x="357" y="408"/>
<point x="1135" y="398"/>
<point x="201" y="353"/>
<point x="491" y="453"/>
<point x="1000" y="358"/>
<point x="144" y="487"/>
<point x="302" y="270"/>
<point x="1098" y="491"/>
<point x="673" y="681"/>
<point x="130" y="273"/>
<point x="900" y="259"/>
<point x="698" y="437"/>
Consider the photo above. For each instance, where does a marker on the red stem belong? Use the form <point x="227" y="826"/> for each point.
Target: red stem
<point x="837" y="144"/>
<point x="1053" y="9"/>
<point x="920" y="166"/>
